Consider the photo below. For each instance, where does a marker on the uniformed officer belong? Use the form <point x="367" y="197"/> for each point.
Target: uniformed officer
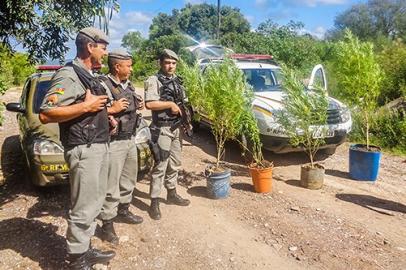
<point x="77" y="101"/>
<point x="159" y="89"/>
<point x="123" y="149"/>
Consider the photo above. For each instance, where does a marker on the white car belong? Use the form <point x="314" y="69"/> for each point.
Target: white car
<point x="264" y="75"/>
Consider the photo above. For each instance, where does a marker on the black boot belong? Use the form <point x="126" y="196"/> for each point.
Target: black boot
<point x="154" y="211"/>
<point x="108" y="233"/>
<point x="125" y="216"/>
<point x="85" y="261"/>
<point x="174" y="198"/>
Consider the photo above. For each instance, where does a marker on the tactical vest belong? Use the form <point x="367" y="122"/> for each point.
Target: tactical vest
<point x="128" y="119"/>
<point x="89" y="127"/>
<point x="171" y="90"/>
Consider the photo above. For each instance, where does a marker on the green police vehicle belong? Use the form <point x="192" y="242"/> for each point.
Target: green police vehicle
<point x="40" y="143"/>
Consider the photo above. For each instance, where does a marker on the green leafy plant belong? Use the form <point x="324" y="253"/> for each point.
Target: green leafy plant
<point x="222" y="96"/>
<point x="304" y="116"/>
<point x="358" y="77"/>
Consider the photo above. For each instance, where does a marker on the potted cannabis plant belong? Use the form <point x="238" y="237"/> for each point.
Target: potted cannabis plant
<point x="218" y="94"/>
<point x="304" y="119"/>
<point x="358" y="78"/>
<point x="260" y="169"/>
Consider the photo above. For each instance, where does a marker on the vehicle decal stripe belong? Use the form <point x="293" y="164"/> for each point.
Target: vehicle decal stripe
<point x="262" y="110"/>
<point x="267" y="98"/>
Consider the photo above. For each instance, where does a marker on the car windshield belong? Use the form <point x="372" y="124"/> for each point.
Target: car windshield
<point x="40" y="91"/>
<point x="263" y="80"/>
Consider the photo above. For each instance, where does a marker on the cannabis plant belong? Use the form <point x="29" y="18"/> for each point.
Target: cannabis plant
<point x="304" y="116"/>
<point x="221" y="95"/>
<point x="358" y="77"/>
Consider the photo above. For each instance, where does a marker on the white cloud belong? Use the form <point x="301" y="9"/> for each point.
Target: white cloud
<point x="313" y="3"/>
<point x="261" y="3"/>
<point x="318" y="32"/>
<point x="120" y="25"/>
<point x="194" y="2"/>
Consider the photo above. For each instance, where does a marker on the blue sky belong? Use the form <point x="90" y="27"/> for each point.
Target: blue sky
<point x="317" y="15"/>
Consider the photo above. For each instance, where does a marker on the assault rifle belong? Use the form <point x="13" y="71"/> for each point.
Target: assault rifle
<point x="175" y="94"/>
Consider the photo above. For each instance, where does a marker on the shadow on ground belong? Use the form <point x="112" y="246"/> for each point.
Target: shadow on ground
<point x="35" y="240"/>
<point x="373" y="203"/>
<point x="203" y="138"/>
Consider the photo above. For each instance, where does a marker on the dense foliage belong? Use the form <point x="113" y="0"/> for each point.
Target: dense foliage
<point x="43" y="27"/>
<point x="373" y="20"/>
<point x="14" y="69"/>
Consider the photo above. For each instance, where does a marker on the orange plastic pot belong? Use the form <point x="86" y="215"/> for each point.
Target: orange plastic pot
<point x="262" y="179"/>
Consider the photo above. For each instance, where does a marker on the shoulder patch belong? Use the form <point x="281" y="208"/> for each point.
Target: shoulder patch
<point x="52" y="100"/>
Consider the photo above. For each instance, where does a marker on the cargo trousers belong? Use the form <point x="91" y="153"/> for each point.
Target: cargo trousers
<point x="88" y="170"/>
<point x="122" y="176"/>
<point x="166" y="171"/>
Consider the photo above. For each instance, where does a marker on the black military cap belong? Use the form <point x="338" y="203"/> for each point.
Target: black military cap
<point x="120" y="54"/>
<point x="95" y="34"/>
<point x="166" y="53"/>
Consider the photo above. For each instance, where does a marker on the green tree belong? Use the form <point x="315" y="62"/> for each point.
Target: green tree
<point x="43" y="27"/>
<point x="133" y="41"/>
<point x="199" y="22"/>
<point x="372" y="19"/>
<point x="283" y="42"/>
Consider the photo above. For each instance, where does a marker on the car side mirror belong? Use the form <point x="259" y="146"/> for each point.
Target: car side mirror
<point x="15" y="107"/>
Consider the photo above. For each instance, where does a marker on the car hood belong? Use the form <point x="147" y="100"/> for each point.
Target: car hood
<point x="272" y="100"/>
<point x="37" y="130"/>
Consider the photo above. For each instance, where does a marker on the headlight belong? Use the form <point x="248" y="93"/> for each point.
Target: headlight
<point x="44" y="147"/>
<point x="143" y="135"/>
<point x="345" y="114"/>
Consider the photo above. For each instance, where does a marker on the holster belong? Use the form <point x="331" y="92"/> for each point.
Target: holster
<point x="153" y="144"/>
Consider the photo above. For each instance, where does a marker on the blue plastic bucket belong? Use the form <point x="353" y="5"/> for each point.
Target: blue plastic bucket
<point x="364" y="165"/>
<point x="218" y="184"/>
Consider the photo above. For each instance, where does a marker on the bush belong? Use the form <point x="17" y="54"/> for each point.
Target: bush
<point x="389" y="130"/>
<point x="393" y="62"/>
<point x="6" y="73"/>
<point x="21" y="68"/>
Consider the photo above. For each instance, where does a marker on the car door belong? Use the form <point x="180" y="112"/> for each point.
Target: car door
<point x="317" y="78"/>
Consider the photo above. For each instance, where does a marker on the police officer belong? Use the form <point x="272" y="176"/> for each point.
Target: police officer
<point x="77" y="101"/>
<point x="123" y="149"/>
<point x="160" y="91"/>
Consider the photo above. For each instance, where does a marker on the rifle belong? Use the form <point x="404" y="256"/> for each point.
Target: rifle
<point x="176" y="96"/>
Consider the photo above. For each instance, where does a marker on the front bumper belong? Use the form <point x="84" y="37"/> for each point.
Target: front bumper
<point x="48" y="170"/>
<point x="282" y="144"/>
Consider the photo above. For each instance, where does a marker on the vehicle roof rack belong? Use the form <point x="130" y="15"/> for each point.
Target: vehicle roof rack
<point x="255" y="58"/>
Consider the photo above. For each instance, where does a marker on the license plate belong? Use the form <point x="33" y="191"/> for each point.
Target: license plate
<point x="54" y="167"/>
<point x="323" y="133"/>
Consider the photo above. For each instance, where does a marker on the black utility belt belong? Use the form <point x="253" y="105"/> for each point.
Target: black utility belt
<point x="164" y="123"/>
<point x="121" y="137"/>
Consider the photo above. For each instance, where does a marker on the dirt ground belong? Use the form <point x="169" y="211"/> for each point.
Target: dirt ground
<point x="346" y="225"/>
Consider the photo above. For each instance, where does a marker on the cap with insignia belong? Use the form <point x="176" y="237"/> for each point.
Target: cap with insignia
<point x="166" y="53"/>
<point x="95" y="34"/>
<point x="120" y="54"/>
